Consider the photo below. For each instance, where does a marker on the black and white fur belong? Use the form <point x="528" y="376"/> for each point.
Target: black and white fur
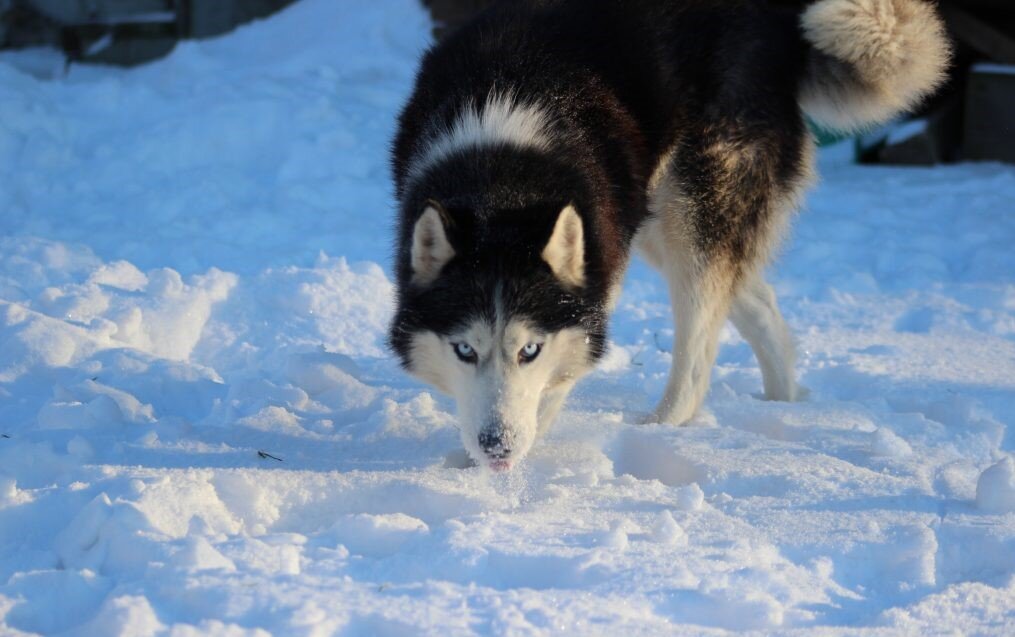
<point x="547" y="138"/>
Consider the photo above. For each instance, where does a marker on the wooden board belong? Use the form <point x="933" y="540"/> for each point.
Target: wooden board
<point x="990" y="114"/>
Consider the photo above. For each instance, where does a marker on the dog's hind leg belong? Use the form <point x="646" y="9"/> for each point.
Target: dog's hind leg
<point x="701" y="296"/>
<point x="701" y="291"/>
<point x="756" y="316"/>
<point x="718" y="206"/>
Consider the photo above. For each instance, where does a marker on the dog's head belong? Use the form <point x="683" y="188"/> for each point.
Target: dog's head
<point x="496" y="308"/>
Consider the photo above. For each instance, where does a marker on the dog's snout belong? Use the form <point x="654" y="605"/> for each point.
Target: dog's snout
<point x="494" y="443"/>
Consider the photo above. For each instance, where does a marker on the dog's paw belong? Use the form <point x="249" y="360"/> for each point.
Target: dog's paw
<point x="459" y="459"/>
<point x="702" y="418"/>
<point x="798" y="394"/>
<point x="644" y="418"/>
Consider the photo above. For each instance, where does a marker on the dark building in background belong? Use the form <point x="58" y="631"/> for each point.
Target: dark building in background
<point x="972" y="118"/>
<point x="122" y="32"/>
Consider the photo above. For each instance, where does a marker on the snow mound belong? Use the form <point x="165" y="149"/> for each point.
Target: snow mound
<point x="378" y="534"/>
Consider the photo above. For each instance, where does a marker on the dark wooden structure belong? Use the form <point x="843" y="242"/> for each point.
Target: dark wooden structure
<point x="971" y="118"/>
<point x="122" y="31"/>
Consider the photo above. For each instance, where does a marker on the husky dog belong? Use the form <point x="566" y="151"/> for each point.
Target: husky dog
<point x="547" y="138"/>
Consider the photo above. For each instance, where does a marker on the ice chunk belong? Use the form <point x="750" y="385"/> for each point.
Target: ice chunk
<point x="885" y="442"/>
<point x="377" y="535"/>
<point x="54" y="600"/>
<point x="199" y="555"/>
<point x="666" y="530"/>
<point x="995" y="490"/>
<point x="125" y="616"/>
<point x="690" y="497"/>
<point x="616" y="538"/>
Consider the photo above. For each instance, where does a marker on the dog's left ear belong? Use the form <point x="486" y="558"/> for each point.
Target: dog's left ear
<point x="565" y="251"/>
<point x="431" y="249"/>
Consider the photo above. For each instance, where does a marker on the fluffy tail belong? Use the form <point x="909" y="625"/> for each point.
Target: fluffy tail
<point x="870" y="60"/>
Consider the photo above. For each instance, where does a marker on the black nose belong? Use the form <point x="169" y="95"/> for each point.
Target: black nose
<point x="494" y="444"/>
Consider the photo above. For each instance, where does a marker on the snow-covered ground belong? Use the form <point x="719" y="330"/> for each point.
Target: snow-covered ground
<point x="202" y="432"/>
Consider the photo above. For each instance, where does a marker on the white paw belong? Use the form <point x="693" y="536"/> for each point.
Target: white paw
<point x="459" y="459"/>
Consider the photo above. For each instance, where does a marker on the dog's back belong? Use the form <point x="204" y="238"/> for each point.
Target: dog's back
<point x="654" y="65"/>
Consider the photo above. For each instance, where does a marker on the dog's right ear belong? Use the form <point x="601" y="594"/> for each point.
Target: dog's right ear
<point x="431" y="249"/>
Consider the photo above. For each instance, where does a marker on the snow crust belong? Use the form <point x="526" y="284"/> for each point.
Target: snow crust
<point x="203" y="433"/>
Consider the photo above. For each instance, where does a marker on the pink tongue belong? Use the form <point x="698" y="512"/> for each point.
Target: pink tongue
<point x="500" y="465"/>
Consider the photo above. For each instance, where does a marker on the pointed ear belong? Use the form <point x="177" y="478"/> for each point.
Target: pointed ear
<point x="431" y="249"/>
<point x="565" y="251"/>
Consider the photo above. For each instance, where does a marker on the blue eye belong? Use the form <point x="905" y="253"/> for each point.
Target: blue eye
<point x="529" y="353"/>
<point x="465" y="352"/>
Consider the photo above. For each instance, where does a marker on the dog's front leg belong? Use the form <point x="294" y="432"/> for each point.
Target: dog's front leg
<point x="553" y="399"/>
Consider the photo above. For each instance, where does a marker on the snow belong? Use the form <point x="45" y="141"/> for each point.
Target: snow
<point x="203" y="433"/>
<point x="906" y="130"/>
<point x="998" y="69"/>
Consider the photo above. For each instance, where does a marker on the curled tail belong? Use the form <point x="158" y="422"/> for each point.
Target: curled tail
<point x="870" y="60"/>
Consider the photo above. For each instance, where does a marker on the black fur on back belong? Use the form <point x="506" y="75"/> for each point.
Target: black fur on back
<point x="622" y="82"/>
